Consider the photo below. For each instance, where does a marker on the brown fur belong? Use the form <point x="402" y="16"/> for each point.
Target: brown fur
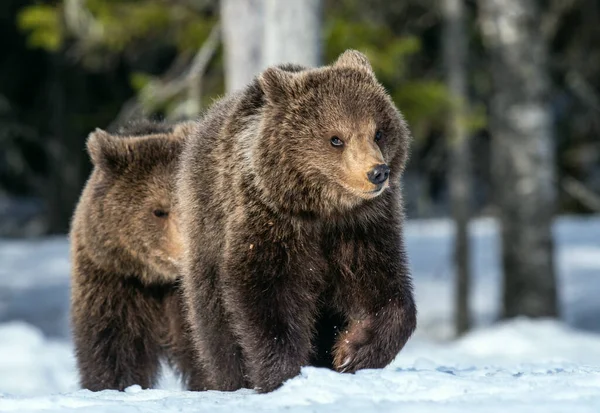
<point x="287" y="243"/>
<point x="127" y="310"/>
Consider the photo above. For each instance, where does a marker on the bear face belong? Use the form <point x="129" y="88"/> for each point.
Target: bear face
<point x="130" y="226"/>
<point x="334" y="130"/>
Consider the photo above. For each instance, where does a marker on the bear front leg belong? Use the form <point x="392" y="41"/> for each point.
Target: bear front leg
<point x="272" y="297"/>
<point x="374" y="341"/>
<point x="376" y="294"/>
<point x="113" y="323"/>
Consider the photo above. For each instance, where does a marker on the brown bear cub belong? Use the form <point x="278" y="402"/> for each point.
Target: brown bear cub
<point x="291" y="214"/>
<point x="126" y="304"/>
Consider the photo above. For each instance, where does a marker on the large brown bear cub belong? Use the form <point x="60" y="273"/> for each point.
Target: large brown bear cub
<point x="291" y="216"/>
<point x="127" y="310"/>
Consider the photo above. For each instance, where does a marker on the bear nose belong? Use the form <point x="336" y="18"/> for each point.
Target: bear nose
<point x="379" y="174"/>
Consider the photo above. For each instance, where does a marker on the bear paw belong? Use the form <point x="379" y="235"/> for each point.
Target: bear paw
<point x="347" y="348"/>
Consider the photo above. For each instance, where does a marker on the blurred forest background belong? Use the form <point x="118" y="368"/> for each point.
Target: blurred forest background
<point x="503" y="98"/>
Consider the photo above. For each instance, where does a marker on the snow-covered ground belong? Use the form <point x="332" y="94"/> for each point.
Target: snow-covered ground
<point x="519" y="366"/>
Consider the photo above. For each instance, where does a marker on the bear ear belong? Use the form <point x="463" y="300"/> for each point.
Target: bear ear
<point x="277" y="84"/>
<point x="106" y="151"/>
<point x="354" y="59"/>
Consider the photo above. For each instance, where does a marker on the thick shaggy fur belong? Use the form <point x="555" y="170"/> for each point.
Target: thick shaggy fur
<point x="127" y="310"/>
<point x="292" y="256"/>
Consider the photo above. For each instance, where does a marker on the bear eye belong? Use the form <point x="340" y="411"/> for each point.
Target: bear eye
<point x="160" y="213"/>
<point x="335" y="141"/>
<point x="378" y="136"/>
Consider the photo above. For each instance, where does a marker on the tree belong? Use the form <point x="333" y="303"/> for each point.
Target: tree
<point x="522" y="154"/>
<point x="243" y="33"/>
<point x="292" y="32"/>
<point x="455" y="56"/>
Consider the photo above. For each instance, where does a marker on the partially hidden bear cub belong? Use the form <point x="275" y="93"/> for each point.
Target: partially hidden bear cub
<point x="126" y="305"/>
<point x="290" y="207"/>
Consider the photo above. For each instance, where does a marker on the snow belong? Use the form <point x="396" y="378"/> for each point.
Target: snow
<point x="495" y="369"/>
<point x="518" y="366"/>
<point x="32" y="364"/>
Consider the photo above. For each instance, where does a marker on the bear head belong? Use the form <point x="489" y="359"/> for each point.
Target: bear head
<point x="131" y="225"/>
<point x="331" y="137"/>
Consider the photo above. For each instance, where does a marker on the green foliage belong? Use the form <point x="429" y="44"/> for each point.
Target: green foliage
<point x="128" y="23"/>
<point x="139" y="80"/>
<point x="476" y="117"/>
<point x="117" y="26"/>
<point x="96" y="32"/>
<point x="125" y="23"/>
<point x="192" y="34"/>
<point x="388" y="53"/>
<point x="44" y="26"/>
<point x="424" y="103"/>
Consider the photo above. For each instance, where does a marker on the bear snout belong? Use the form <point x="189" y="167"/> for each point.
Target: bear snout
<point x="379" y="174"/>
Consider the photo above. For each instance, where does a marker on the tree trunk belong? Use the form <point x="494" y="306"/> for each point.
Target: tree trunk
<point x="242" y="25"/>
<point x="522" y="154"/>
<point x="292" y="32"/>
<point x="455" y="55"/>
